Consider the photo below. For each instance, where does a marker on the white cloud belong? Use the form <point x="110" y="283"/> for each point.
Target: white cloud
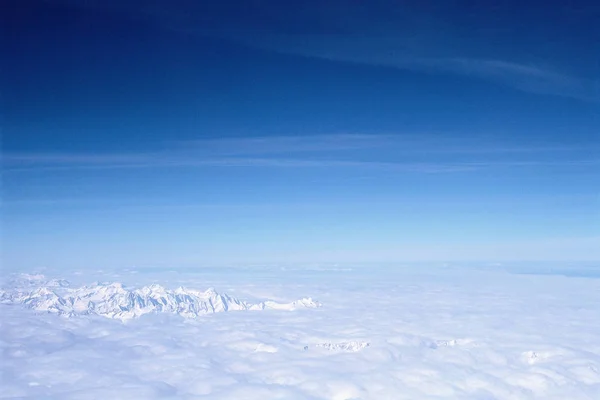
<point x="392" y="51"/>
<point x="439" y="333"/>
<point x="451" y="154"/>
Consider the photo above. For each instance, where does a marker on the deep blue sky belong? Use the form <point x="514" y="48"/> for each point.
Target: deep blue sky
<point x="182" y="133"/>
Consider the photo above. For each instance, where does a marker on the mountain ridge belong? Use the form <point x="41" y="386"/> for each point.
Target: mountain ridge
<point x="116" y="301"/>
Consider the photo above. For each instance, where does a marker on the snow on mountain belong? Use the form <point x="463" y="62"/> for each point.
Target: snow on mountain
<point x="352" y="346"/>
<point x="116" y="301"/>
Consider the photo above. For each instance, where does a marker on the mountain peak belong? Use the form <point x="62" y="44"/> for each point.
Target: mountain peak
<point x="114" y="300"/>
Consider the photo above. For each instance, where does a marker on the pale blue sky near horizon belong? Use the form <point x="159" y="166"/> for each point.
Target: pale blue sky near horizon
<point x="194" y="133"/>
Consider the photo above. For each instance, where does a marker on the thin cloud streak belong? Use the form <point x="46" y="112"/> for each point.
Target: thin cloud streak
<point x="313" y="151"/>
<point x="287" y="144"/>
<point x="417" y="167"/>
<point x="259" y="163"/>
<point x="393" y="52"/>
<point x="215" y="151"/>
<point x="415" y="48"/>
<point x="334" y="150"/>
<point x="73" y="158"/>
<point x="163" y="203"/>
<point x="405" y="143"/>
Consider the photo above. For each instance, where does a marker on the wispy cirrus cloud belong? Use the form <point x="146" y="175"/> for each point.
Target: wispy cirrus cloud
<point x="288" y="144"/>
<point x="529" y="78"/>
<point x="395" y="52"/>
<point x="72" y="158"/>
<point x="347" y="142"/>
<point x="402" y="153"/>
<point x="245" y="162"/>
<point x="407" y="37"/>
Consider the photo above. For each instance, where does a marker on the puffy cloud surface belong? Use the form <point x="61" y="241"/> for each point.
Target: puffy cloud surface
<point x="380" y="334"/>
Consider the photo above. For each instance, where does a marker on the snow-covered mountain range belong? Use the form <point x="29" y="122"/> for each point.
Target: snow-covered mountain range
<point x="114" y="300"/>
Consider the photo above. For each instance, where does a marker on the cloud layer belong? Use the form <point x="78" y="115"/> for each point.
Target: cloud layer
<point x="381" y="334"/>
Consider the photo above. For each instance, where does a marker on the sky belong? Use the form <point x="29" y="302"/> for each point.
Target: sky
<point x="185" y="133"/>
